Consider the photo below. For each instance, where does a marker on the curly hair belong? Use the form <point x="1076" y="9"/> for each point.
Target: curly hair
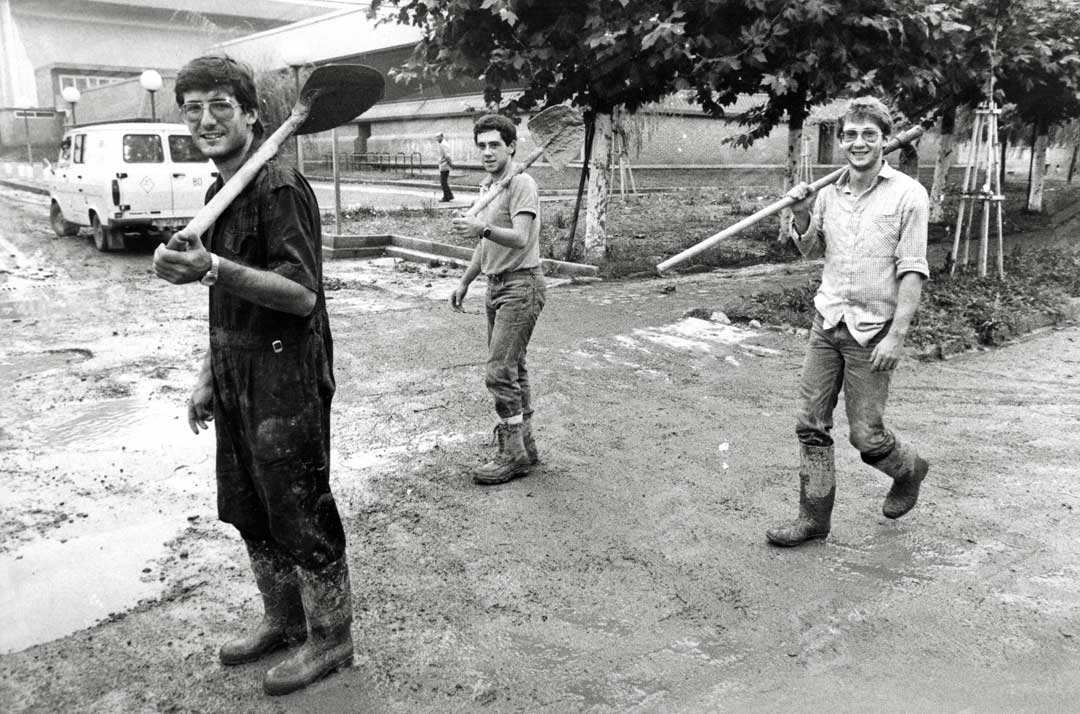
<point x="220" y="71"/>
<point x="496" y="122"/>
<point x="868" y="109"/>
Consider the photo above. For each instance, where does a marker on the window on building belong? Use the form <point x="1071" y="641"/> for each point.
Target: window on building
<point x="182" y="149"/>
<point x="143" y="149"/>
<point x="86" y="81"/>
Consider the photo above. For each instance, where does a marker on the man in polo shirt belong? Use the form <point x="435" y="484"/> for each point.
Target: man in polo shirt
<point x="508" y="253"/>
<point x="871" y="227"/>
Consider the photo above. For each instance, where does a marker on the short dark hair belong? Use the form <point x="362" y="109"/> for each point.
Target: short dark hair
<point x="868" y="109"/>
<point x="219" y="71"/>
<point x="496" y="122"/>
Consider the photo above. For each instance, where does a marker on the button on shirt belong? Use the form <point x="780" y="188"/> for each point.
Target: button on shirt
<point x="868" y="240"/>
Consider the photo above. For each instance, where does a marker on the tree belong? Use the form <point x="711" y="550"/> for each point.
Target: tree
<point x="800" y="53"/>
<point x="594" y="54"/>
<point x="1040" y="74"/>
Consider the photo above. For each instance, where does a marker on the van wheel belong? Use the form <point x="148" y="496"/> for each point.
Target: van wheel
<point x="60" y="225"/>
<point x="102" y="234"/>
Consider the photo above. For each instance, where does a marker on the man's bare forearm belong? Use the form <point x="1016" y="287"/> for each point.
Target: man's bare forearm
<point x="265" y="288"/>
<point x="907" y="302"/>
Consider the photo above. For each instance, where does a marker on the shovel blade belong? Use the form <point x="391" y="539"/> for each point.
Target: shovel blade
<point x="560" y="130"/>
<point x="338" y="93"/>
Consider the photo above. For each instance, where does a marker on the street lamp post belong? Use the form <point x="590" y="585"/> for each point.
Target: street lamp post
<point x="72" y="96"/>
<point x="151" y="82"/>
<point x="294" y="57"/>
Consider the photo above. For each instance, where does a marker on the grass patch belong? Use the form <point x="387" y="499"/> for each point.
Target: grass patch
<point x="957" y="312"/>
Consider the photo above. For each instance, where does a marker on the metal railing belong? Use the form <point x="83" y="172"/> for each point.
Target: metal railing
<point x="400" y="162"/>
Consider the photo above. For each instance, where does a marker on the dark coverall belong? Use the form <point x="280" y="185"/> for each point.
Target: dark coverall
<point x="273" y="376"/>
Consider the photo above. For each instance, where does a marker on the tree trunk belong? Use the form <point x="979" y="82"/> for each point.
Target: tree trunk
<point x="1038" y="169"/>
<point x="1072" y="161"/>
<point x="599" y="191"/>
<point x="1004" y="138"/>
<point x="946" y="157"/>
<point x="791" y="167"/>
<point x="590" y="129"/>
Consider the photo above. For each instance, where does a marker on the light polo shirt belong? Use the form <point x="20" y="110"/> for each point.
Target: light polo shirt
<point x="868" y="240"/>
<point x="521" y="196"/>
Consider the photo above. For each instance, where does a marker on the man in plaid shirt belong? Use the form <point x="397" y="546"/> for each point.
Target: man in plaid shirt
<point x="871" y="227"/>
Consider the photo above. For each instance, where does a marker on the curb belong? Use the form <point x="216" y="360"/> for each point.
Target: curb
<point x="30" y="188"/>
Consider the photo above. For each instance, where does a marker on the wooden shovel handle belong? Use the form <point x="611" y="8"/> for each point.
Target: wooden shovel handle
<point x="901" y="139"/>
<point x="499" y="186"/>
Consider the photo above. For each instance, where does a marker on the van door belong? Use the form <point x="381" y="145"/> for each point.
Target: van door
<point x="192" y="175"/>
<point x="60" y="180"/>
<point x="145" y="184"/>
<point x="76" y="181"/>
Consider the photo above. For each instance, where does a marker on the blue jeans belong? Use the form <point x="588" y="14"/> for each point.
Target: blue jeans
<point x="514" y="301"/>
<point x="834" y="360"/>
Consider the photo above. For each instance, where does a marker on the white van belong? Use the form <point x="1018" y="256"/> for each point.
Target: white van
<point x="127" y="177"/>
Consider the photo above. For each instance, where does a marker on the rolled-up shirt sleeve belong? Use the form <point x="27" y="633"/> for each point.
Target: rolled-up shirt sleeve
<point x="292" y="239"/>
<point x="914" y="220"/>
<point x="812" y="243"/>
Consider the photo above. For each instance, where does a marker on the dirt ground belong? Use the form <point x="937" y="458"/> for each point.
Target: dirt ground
<point x="628" y="573"/>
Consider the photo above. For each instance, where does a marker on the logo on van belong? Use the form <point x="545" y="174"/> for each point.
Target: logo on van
<point x="147" y="184"/>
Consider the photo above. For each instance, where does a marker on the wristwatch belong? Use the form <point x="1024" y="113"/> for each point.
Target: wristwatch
<point x="211" y="275"/>
<point x="486" y="233"/>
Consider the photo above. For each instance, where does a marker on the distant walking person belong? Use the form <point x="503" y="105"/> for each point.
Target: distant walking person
<point x="266" y="382"/>
<point x="508" y="253"/>
<point x="871" y="226"/>
<point x="446" y="162"/>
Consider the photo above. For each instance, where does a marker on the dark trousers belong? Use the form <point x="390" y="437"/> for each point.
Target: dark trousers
<point x="272" y="420"/>
<point x="444" y="180"/>
<point x="514" y="301"/>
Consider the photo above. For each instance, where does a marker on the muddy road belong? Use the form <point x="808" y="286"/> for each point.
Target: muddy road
<point x="629" y="573"/>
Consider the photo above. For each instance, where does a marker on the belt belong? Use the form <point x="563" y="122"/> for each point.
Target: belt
<point x="232" y="339"/>
<point x="504" y="276"/>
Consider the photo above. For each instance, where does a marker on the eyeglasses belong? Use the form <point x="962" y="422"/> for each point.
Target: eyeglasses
<point x="222" y="109"/>
<point x="869" y="136"/>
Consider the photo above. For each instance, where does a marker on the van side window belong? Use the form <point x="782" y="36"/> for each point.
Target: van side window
<point x="65" y="151"/>
<point x="143" y="149"/>
<point x="80" y="141"/>
<point x="182" y="149"/>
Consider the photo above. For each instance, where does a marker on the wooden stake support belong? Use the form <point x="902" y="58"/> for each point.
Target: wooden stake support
<point x="984" y="157"/>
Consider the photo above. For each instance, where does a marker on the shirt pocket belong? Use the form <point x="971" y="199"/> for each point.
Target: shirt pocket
<point x="880" y="235"/>
<point x="238" y="241"/>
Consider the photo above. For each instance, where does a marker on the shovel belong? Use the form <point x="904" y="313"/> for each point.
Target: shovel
<point x="899" y="140"/>
<point x="558" y="132"/>
<point x="331" y="96"/>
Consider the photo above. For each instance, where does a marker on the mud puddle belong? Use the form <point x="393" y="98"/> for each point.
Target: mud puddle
<point x="51" y="588"/>
<point x="14" y="366"/>
<point x="126" y="475"/>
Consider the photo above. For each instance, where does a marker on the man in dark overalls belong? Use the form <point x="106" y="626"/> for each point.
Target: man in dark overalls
<point x="267" y="382"/>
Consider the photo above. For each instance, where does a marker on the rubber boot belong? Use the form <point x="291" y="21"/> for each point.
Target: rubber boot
<point x="511" y="462"/>
<point x="907" y="470"/>
<point x="329" y="646"/>
<point x="283" y="611"/>
<point x="528" y="441"/>
<point x="817" y="492"/>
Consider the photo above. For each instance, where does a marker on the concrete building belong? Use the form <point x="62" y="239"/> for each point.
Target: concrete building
<point x="47" y="45"/>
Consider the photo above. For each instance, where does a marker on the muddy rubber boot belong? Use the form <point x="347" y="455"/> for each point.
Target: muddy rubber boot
<point x="907" y="470"/>
<point x="329" y="646"/>
<point x="283" y="610"/>
<point x="528" y="441"/>
<point x="817" y="492"/>
<point x="509" y="463"/>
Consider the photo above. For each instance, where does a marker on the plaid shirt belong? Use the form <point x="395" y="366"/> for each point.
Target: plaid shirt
<point x="868" y="241"/>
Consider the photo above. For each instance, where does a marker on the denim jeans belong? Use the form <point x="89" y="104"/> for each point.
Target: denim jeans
<point x="514" y="301"/>
<point x="834" y="360"/>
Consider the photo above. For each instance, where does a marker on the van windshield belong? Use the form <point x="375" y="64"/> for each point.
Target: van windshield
<point x="143" y="149"/>
<point x="182" y="149"/>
